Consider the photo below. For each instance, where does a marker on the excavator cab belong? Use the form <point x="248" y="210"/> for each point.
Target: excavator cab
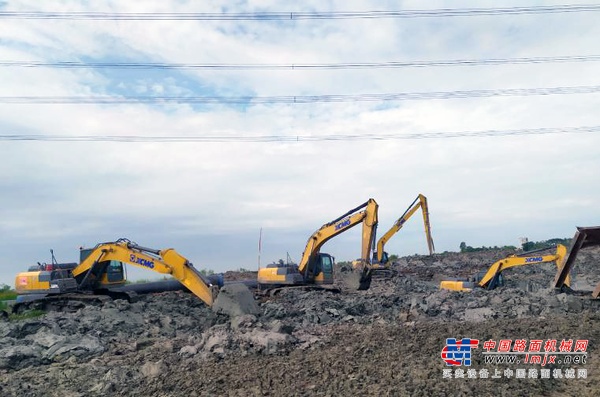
<point x="385" y="258"/>
<point x="115" y="272"/>
<point x="108" y="273"/>
<point x="496" y="281"/>
<point x="321" y="269"/>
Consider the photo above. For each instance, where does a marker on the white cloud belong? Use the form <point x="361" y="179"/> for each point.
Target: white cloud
<point x="484" y="190"/>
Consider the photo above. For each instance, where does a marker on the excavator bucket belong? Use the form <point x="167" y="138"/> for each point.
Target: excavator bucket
<point x="235" y="300"/>
<point x="354" y="279"/>
<point x="584" y="237"/>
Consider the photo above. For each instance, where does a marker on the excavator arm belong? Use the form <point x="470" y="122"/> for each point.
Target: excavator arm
<point x="420" y="202"/>
<point x="366" y="214"/>
<point x="166" y="261"/>
<point x="491" y="278"/>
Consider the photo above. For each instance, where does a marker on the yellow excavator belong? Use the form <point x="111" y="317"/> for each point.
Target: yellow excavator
<point x="101" y="268"/>
<point x="380" y="257"/>
<point x="315" y="267"/>
<point x="493" y="277"/>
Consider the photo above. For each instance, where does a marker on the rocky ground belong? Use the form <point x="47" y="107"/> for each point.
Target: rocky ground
<point x="385" y="341"/>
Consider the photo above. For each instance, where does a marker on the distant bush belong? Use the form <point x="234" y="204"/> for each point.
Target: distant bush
<point x="467" y="248"/>
<point x="534" y="245"/>
<point x="526" y="246"/>
<point x="6" y="293"/>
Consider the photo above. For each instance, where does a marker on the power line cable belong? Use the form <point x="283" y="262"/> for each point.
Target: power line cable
<point x="299" y="99"/>
<point x="299" y="138"/>
<point x="301" y="66"/>
<point x="308" y="15"/>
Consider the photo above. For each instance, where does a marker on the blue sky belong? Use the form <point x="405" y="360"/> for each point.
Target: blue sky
<point x="209" y="200"/>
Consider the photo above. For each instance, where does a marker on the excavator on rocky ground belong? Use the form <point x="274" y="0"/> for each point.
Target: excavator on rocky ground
<point x="493" y="277"/>
<point x="585" y="237"/>
<point x="316" y="268"/>
<point x="100" y="276"/>
<point x="381" y="264"/>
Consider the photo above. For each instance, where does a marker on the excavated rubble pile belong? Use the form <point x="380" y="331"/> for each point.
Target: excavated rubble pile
<point x="384" y="341"/>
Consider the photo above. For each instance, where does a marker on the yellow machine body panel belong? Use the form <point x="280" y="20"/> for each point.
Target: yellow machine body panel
<point x="30" y="282"/>
<point x="454" y="286"/>
<point x="269" y="275"/>
<point x="279" y="275"/>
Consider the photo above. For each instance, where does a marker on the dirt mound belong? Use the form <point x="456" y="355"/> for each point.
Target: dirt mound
<point x="384" y="341"/>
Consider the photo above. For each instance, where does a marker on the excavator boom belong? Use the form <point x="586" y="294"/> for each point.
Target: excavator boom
<point x="419" y="202"/>
<point x="166" y="261"/>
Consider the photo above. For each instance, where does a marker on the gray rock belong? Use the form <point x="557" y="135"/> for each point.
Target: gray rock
<point x="18" y="357"/>
<point x="77" y="345"/>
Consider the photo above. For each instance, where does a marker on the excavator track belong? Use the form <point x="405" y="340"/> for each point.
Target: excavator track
<point x="384" y="274"/>
<point x="71" y="302"/>
<point x="271" y="291"/>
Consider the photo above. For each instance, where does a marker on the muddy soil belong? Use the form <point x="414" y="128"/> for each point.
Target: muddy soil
<point x="384" y="341"/>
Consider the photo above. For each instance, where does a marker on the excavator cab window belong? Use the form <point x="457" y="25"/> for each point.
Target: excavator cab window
<point x="114" y="272"/>
<point x="326" y="264"/>
<point x="497" y="281"/>
<point x="327" y="267"/>
<point x="385" y="258"/>
<point x="84" y="253"/>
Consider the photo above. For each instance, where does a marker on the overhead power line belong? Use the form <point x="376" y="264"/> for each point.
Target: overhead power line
<point x="300" y="66"/>
<point x="299" y="99"/>
<point x="298" y="138"/>
<point x="282" y="16"/>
